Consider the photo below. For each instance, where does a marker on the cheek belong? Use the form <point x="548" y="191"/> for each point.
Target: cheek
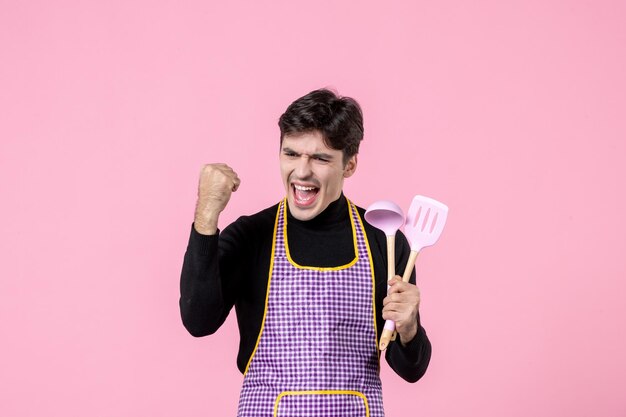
<point x="332" y="181"/>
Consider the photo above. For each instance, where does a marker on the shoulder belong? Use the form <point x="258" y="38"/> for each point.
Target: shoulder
<point x="254" y="224"/>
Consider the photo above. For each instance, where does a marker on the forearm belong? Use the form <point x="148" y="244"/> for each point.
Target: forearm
<point x="410" y="361"/>
<point x="203" y="304"/>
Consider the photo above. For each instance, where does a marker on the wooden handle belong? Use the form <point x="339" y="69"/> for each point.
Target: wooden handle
<point x="391" y="257"/>
<point x="407" y="275"/>
<point x="385" y="338"/>
<point x="387" y="333"/>
<point x="409" y="266"/>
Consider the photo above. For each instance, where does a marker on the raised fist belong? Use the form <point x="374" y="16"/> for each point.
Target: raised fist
<point x="217" y="183"/>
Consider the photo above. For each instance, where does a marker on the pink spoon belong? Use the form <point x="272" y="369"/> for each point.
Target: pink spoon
<point x="388" y="217"/>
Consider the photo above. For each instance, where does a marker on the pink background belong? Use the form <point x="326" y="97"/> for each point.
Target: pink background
<point x="510" y="112"/>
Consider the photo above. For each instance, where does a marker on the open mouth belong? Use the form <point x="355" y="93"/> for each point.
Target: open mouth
<point x="304" y="195"/>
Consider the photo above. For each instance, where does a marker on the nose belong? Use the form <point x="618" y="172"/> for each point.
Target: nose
<point x="302" y="168"/>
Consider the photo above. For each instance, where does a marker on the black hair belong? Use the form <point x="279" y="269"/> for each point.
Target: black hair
<point x="338" y="119"/>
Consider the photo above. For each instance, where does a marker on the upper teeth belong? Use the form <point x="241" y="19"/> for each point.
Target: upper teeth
<point x="302" y="188"/>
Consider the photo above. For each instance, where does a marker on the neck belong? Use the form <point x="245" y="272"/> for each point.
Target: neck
<point x="336" y="212"/>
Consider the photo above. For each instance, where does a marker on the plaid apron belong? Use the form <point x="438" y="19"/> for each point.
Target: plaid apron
<point x="316" y="355"/>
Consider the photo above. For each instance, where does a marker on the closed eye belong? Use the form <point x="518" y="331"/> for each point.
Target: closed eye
<point x="320" y="158"/>
<point x="290" y="153"/>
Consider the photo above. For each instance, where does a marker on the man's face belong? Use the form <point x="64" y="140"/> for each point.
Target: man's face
<point x="312" y="173"/>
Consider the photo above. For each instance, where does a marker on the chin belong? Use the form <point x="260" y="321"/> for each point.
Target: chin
<point x="302" y="214"/>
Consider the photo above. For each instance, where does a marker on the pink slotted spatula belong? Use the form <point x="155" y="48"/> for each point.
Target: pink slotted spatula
<point x="424" y="223"/>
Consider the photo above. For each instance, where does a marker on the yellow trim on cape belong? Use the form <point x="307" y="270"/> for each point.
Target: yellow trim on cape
<point x="316" y="268"/>
<point x="322" y="392"/>
<point x="369" y="255"/>
<point x="267" y="292"/>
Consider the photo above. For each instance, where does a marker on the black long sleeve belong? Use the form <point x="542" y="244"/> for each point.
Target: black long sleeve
<point x="203" y="303"/>
<point x="231" y="269"/>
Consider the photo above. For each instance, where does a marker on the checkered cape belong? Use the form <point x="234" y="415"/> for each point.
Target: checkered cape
<point x="316" y="355"/>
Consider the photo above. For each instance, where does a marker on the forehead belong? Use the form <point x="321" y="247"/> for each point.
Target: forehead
<point x="308" y="142"/>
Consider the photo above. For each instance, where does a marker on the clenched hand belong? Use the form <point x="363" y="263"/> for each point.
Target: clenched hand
<point x="402" y="306"/>
<point x="217" y="183"/>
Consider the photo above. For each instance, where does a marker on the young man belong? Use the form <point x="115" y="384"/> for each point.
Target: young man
<point x="307" y="277"/>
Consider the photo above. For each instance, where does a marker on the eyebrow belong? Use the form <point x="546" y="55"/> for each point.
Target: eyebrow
<point x="315" y="155"/>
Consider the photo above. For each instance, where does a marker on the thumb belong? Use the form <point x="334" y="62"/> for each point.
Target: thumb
<point x="395" y="280"/>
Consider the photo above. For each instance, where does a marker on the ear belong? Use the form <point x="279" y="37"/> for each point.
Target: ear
<point x="350" y="167"/>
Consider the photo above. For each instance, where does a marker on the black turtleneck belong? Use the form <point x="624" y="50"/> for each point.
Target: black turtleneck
<point x="324" y="241"/>
<point x="231" y="268"/>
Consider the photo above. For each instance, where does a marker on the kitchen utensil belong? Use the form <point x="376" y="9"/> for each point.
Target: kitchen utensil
<point x="388" y="217"/>
<point x="424" y="223"/>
